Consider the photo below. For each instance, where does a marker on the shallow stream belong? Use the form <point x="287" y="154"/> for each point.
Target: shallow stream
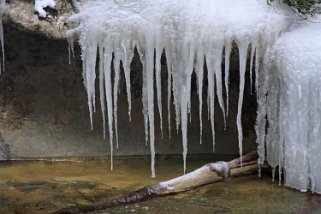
<point x="38" y="187"/>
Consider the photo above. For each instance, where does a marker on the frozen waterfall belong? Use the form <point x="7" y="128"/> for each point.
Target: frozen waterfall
<point x="191" y="33"/>
<point x="293" y="107"/>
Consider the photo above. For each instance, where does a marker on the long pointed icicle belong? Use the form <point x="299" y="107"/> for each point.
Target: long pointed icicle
<point x="211" y="94"/>
<point x="243" y="46"/>
<point x="253" y="50"/>
<point x="159" y="85"/>
<point x="184" y="131"/>
<point x="185" y="97"/>
<point x="150" y="100"/>
<point x="227" y="52"/>
<point x="102" y="88"/>
<point x="257" y="68"/>
<point x="169" y="92"/>
<point x="200" y="76"/>
<point x="3" y="8"/>
<point x="90" y="77"/>
<point x="2" y="62"/>
<point x="144" y="93"/>
<point x="218" y="77"/>
<point x="116" y="89"/>
<point x="177" y="100"/>
<point x="127" y="58"/>
<point x="109" y="101"/>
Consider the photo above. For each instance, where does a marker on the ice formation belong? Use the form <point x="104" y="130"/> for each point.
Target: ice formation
<point x="3" y="8"/>
<point x="191" y="32"/>
<point x="41" y="4"/>
<point x="293" y="107"/>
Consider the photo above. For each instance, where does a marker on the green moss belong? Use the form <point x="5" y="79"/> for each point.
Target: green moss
<point x="303" y="7"/>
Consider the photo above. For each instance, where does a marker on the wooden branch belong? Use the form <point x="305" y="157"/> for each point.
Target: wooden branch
<point x="209" y="173"/>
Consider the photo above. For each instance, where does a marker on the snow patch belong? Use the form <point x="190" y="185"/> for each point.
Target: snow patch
<point x="41" y="4"/>
<point x="222" y="167"/>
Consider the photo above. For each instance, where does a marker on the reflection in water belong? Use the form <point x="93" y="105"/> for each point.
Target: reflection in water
<point x="43" y="187"/>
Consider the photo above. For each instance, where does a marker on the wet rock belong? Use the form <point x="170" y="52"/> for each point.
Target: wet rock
<point x="21" y="14"/>
<point x="4" y="150"/>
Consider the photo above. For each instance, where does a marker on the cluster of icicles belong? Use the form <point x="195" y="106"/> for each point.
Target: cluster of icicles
<point x="191" y="33"/>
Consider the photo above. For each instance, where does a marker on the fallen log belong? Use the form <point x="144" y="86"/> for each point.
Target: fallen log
<point x="209" y="173"/>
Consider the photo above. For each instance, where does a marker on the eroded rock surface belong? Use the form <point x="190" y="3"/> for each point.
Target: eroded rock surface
<point x="22" y="15"/>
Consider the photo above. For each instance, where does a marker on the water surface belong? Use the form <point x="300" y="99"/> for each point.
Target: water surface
<point x="45" y="186"/>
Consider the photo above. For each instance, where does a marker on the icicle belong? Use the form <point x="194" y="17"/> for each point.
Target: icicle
<point x="243" y="46"/>
<point x="144" y="94"/>
<point x="260" y="126"/>
<point x="184" y="132"/>
<point x="177" y="97"/>
<point x="116" y="89"/>
<point x="257" y="67"/>
<point x="169" y="91"/>
<point x="3" y="8"/>
<point x="280" y="175"/>
<point x="200" y="75"/>
<point x="228" y="48"/>
<point x="218" y="76"/>
<point x="189" y="113"/>
<point x="70" y="34"/>
<point x="253" y="50"/>
<point x="273" y="174"/>
<point x="281" y="151"/>
<point x="70" y="49"/>
<point x="150" y="99"/>
<point x="158" y="56"/>
<point x="89" y="76"/>
<point x="127" y="58"/>
<point x="107" y="57"/>
<point x="211" y="94"/>
<point x="102" y="88"/>
<point x="185" y="96"/>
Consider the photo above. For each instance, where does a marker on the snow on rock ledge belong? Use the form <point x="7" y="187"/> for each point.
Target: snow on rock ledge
<point x="293" y="141"/>
<point x="40" y="5"/>
<point x="191" y="32"/>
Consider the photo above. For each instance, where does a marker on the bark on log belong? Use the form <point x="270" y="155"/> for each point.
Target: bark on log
<point x="209" y="173"/>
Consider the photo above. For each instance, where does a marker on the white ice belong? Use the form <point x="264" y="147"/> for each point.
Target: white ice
<point x="3" y="8"/>
<point x="191" y="32"/>
<point x="293" y="107"/>
<point x="41" y="4"/>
